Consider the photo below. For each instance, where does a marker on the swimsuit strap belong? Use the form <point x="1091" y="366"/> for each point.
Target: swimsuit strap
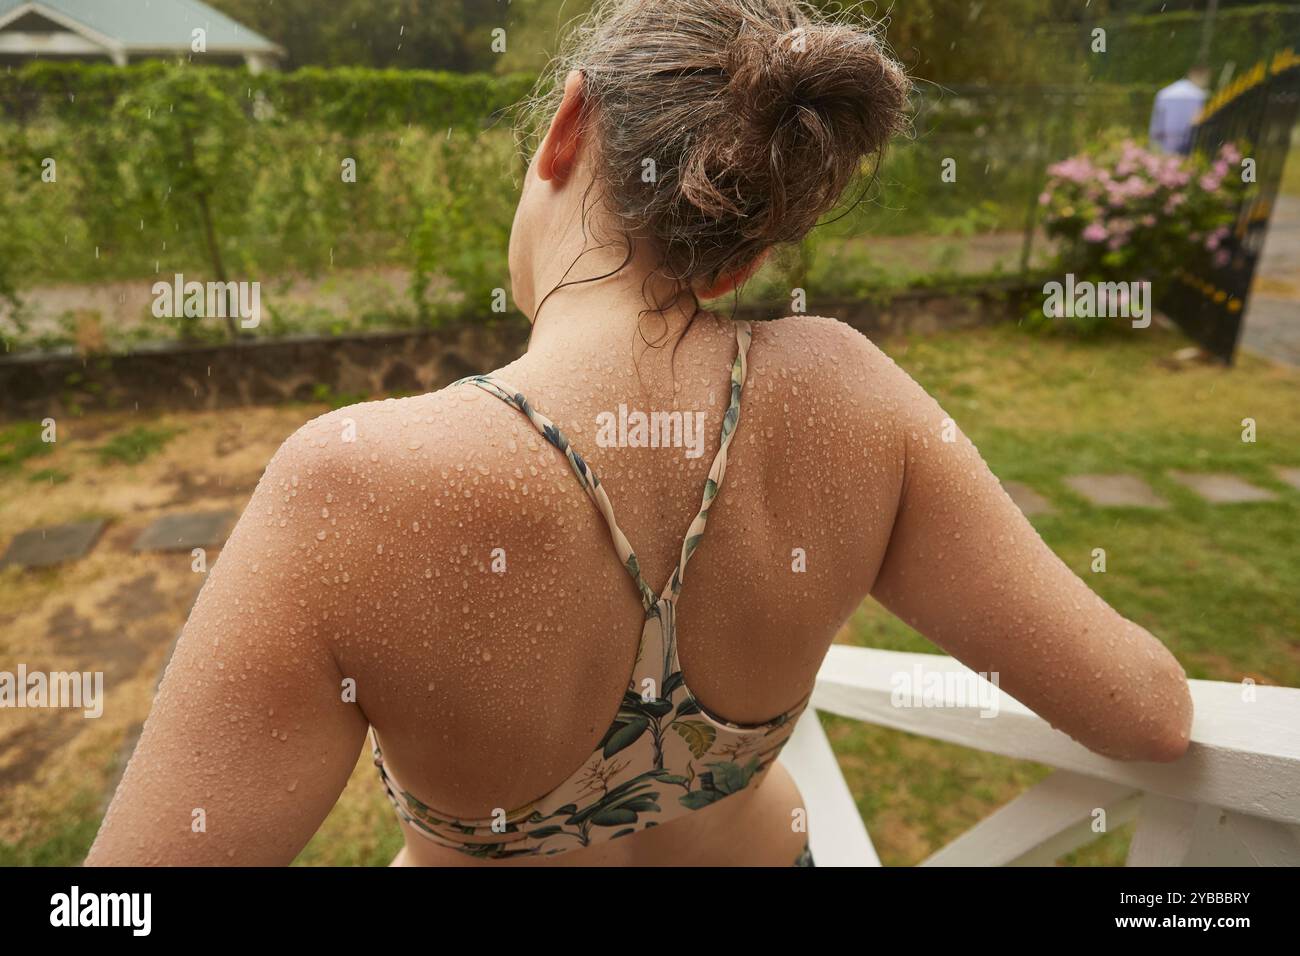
<point x="657" y="654"/>
<point x="739" y="369"/>
<point x="586" y="477"/>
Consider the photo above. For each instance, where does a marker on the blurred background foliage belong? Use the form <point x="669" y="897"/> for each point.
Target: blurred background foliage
<point x="412" y="93"/>
<point x="945" y="41"/>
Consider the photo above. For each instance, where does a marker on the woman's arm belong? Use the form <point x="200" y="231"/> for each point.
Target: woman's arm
<point x="966" y="569"/>
<point x="250" y="740"/>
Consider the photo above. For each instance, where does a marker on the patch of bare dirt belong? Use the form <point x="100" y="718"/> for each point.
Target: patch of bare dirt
<point x="114" y="611"/>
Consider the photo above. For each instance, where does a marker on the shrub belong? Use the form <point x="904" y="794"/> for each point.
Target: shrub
<point x="1124" y="213"/>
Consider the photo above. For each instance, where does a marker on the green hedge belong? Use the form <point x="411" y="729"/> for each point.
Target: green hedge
<point x="349" y="99"/>
<point x="164" y="168"/>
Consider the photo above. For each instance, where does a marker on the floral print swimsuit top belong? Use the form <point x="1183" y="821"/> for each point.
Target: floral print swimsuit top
<point x="664" y="755"/>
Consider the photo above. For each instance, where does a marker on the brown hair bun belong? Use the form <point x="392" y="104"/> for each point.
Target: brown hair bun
<point x="757" y="115"/>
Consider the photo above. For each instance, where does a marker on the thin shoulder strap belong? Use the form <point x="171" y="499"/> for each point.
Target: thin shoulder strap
<point x="596" y="492"/>
<point x="718" y="471"/>
<point x="586" y="477"/>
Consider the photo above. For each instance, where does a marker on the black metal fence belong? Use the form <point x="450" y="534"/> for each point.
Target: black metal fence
<point x="1259" y="111"/>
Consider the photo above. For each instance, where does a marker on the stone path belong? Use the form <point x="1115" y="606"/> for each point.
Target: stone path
<point x="1027" y="499"/>
<point x="44" y="547"/>
<point x="55" y="544"/>
<point x="1271" y="326"/>
<point x="1116" y="491"/>
<point x="181" y="532"/>
<point x="1130" y="491"/>
<point x="1220" y="489"/>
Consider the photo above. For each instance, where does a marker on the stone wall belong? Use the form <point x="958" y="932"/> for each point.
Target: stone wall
<point x="371" y="365"/>
<point x="257" y="372"/>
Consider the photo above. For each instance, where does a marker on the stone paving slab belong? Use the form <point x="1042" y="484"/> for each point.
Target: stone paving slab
<point x="1269" y="326"/>
<point x="1221" y="489"/>
<point x="1290" y="475"/>
<point x="44" y="547"/>
<point x="1029" y="501"/>
<point x="182" y="532"/>
<point x="1270" y="330"/>
<point x="1116" y="491"/>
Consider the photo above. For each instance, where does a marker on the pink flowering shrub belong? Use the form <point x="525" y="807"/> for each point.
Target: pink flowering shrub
<point x="1127" y="213"/>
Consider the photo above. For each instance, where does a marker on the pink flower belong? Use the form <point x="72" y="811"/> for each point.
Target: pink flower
<point x="1095" y="232"/>
<point x="1171" y="177"/>
<point x="1077" y="169"/>
<point x="1044" y="199"/>
<point x="1216" y="238"/>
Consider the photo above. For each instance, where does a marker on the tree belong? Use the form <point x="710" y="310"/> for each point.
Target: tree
<point x="189" y="149"/>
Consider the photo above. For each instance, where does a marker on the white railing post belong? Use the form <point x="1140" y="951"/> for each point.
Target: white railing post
<point x="836" y="833"/>
<point x="1233" y="799"/>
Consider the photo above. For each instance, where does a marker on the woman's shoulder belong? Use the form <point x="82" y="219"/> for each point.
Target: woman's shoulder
<point x="829" y="355"/>
<point x="384" y="434"/>
<point x="832" y="380"/>
<point x="397" y="457"/>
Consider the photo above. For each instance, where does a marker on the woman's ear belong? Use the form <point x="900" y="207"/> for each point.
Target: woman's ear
<point x="559" y="152"/>
<point x="730" y="280"/>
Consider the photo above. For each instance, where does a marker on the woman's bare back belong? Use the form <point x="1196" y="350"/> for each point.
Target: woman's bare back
<point x="513" y="625"/>
<point x="438" y="555"/>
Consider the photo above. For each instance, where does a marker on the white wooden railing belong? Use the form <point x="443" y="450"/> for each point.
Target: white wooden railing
<point x="1232" y="800"/>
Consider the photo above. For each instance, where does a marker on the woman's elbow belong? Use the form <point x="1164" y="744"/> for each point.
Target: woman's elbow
<point x="1176" y="734"/>
<point x="1151" y="723"/>
<point x="1165" y="728"/>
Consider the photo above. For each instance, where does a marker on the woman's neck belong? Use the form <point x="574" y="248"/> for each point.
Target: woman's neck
<point x="593" y="296"/>
<point x="598" y="316"/>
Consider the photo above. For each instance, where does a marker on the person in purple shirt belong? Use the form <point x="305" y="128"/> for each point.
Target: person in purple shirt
<point x="1176" y="109"/>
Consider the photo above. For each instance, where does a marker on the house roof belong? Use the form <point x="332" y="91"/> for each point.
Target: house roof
<point x="144" y="26"/>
